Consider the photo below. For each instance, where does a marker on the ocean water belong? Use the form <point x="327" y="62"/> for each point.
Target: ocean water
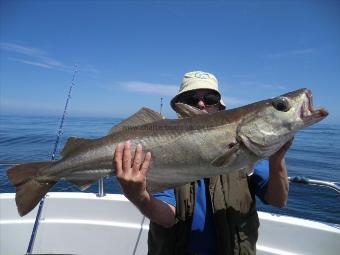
<point x="314" y="154"/>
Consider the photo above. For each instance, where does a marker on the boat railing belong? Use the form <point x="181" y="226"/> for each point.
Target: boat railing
<point x="101" y="192"/>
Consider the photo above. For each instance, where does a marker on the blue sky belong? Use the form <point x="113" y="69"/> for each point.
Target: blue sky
<point x="132" y="53"/>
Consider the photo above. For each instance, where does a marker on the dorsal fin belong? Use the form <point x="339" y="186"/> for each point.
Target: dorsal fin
<point x="143" y="116"/>
<point x="186" y="111"/>
<point x="72" y="144"/>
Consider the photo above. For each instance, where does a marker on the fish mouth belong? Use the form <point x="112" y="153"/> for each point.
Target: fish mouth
<point x="307" y="112"/>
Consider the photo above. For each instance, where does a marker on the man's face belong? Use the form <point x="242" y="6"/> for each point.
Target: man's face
<point x="203" y="99"/>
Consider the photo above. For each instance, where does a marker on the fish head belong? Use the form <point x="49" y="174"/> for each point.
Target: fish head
<point x="271" y="123"/>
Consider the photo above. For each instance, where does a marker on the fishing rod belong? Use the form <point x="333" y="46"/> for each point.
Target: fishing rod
<point x="59" y="133"/>
<point x="161" y="106"/>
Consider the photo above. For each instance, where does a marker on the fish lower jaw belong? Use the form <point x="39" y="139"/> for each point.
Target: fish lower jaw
<point x="308" y="113"/>
<point x="315" y="117"/>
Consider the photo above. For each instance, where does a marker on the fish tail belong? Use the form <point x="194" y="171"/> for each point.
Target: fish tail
<point x="29" y="191"/>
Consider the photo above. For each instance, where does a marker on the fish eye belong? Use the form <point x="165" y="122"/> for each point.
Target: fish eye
<point x="281" y="104"/>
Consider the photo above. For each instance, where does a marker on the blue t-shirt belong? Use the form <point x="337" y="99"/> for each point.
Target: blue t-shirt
<point x="203" y="234"/>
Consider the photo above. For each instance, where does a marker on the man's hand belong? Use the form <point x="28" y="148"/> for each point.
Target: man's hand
<point x="280" y="154"/>
<point x="131" y="173"/>
<point x="278" y="186"/>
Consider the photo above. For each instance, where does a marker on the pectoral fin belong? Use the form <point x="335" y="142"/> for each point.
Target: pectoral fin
<point x="228" y="156"/>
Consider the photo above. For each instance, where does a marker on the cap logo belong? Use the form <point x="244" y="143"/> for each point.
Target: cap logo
<point x="201" y="75"/>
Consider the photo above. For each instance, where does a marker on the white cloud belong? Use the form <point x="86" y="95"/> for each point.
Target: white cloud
<point x="37" y="57"/>
<point x="33" y="63"/>
<point x="150" y="88"/>
<point x="307" y="51"/>
<point x="263" y="85"/>
<point x="304" y="51"/>
<point x="88" y="68"/>
<point x="232" y="102"/>
<point x="273" y="86"/>
<point x="21" y="49"/>
<point x="54" y="63"/>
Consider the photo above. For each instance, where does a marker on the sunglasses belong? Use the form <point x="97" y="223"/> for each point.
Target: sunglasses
<point x="193" y="99"/>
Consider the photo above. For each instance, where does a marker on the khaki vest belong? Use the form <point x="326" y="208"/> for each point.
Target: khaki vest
<point x="235" y="217"/>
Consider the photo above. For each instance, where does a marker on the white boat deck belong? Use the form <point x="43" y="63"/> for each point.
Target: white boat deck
<point x="82" y="223"/>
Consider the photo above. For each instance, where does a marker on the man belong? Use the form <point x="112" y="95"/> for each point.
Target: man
<point x="210" y="216"/>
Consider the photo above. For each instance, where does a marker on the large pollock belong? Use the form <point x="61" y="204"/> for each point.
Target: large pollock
<point x="183" y="150"/>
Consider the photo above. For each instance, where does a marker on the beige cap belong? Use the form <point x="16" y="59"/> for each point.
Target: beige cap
<point x="197" y="80"/>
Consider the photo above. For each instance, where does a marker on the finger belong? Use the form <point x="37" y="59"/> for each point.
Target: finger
<point x="138" y="158"/>
<point x="117" y="159"/>
<point x="145" y="166"/>
<point x="291" y="141"/>
<point x="127" y="157"/>
<point x="286" y="146"/>
<point x="283" y="150"/>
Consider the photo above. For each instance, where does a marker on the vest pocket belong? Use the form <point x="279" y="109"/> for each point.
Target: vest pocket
<point x="247" y="233"/>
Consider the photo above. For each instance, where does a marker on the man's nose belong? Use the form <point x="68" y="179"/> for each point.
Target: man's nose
<point x="201" y="105"/>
